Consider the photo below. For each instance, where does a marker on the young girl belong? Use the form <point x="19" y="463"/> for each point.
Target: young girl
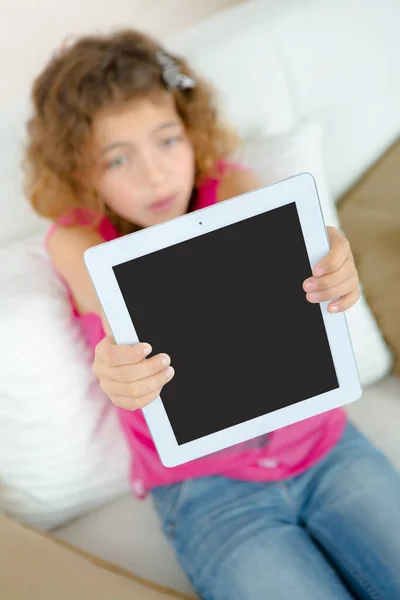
<point x="125" y="136"/>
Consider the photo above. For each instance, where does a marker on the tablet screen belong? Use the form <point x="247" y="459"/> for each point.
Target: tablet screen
<point x="229" y="308"/>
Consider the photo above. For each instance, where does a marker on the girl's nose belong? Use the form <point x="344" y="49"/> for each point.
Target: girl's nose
<point x="154" y="171"/>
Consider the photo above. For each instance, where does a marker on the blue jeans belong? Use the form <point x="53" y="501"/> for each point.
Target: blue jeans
<point x="332" y="533"/>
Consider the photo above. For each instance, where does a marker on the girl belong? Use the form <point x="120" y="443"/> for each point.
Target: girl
<point x="125" y="136"/>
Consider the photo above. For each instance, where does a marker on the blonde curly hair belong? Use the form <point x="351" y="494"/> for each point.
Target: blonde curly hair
<point x="86" y="76"/>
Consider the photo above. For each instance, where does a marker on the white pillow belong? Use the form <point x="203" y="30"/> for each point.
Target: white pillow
<point x="61" y="451"/>
<point x="279" y="157"/>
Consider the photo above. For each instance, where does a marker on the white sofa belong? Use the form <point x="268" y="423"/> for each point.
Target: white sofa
<point x="336" y="62"/>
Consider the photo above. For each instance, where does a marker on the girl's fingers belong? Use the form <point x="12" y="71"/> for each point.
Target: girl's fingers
<point x="133" y="372"/>
<point x="327" y="282"/>
<point x="113" y="355"/>
<point x="137" y="389"/>
<point x="344" y="303"/>
<point x="131" y="404"/>
<point x="346" y="287"/>
<point x="336" y="257"/>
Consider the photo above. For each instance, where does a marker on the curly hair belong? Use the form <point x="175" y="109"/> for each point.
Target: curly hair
<point x="94" y="72"/>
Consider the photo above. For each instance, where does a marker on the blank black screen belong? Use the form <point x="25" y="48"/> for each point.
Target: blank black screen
<point x="229" y="308"/>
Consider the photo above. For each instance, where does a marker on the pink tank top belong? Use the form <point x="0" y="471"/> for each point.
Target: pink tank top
<point x="281" y="454"/>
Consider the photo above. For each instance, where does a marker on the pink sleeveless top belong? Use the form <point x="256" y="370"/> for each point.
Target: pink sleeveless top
<point x="278" y="455"/>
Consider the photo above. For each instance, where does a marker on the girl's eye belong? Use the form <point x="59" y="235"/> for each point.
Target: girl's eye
<point x="171" y="141"/>
<point x="117" y="162"/>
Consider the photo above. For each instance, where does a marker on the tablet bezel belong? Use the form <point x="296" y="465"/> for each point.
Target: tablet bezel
<point x="101" y="259"/>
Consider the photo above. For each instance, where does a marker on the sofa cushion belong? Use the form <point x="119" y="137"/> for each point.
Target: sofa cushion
<point x="377" y="415"/>
<point x="370" y="216"/>
<point x="35" y="566"/>
<point x="128" y="532"/>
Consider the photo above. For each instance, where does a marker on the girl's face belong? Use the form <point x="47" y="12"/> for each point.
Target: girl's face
<point x="147" y="164"/>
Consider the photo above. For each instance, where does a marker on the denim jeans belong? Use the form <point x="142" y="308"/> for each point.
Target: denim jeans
<point x="332" y="533"/>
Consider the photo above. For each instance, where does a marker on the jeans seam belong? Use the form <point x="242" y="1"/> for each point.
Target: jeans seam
<point x="344" y="563"/>
<point x="170" y="521"/>
<point x="284" y="487"/>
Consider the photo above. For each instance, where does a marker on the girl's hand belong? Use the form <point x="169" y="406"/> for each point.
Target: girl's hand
<point x="335" y="276"/>
<point x="129" y="379"/>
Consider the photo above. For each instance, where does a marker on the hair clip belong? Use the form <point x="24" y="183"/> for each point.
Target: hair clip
<point x="171" y="73"/>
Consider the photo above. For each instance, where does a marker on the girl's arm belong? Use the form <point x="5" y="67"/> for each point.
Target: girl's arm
<point x="66" y="247"/>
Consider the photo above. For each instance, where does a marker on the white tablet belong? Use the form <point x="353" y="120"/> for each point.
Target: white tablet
<point x="220" y="291"/>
